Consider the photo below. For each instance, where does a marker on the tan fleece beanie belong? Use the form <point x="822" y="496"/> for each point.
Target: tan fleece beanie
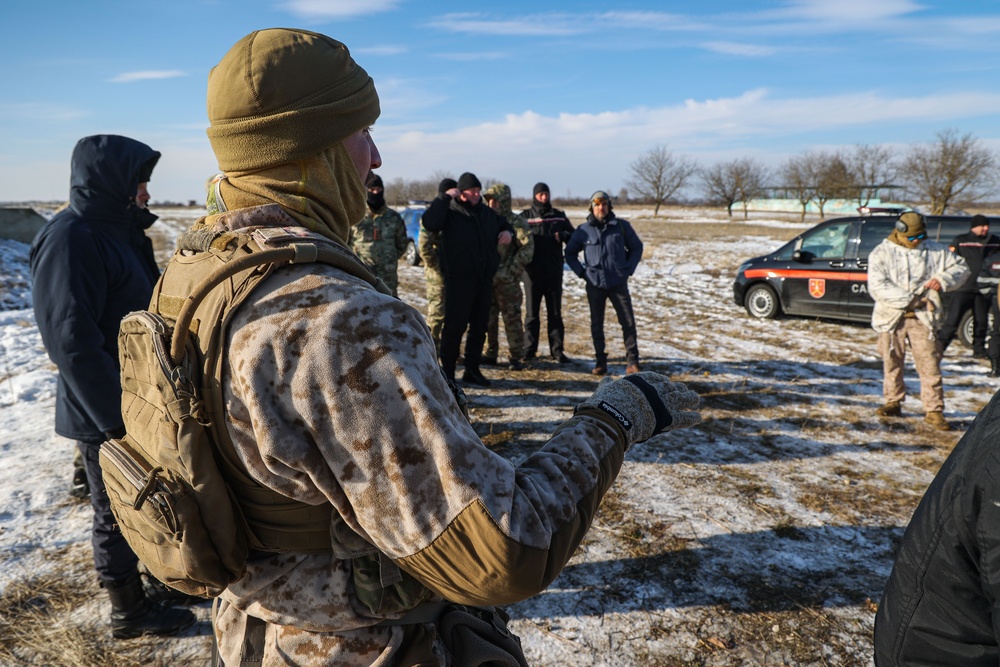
<point x="282" y="95"/>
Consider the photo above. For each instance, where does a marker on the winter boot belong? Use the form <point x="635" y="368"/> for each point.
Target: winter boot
<point x="134" y="615"/>
<point x="473" y="376"/>
<point x="890" y="409"/>
<point x="937" y="420"/>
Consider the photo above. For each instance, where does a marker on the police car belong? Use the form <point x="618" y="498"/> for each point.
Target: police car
<point x="823" y="272"/>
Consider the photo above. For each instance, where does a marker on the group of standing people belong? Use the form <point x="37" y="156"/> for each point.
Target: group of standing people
<point x="472" y="283"/>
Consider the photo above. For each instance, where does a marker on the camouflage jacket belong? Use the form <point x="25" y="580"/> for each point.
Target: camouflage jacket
<point x="516" y="254"/>
<point x="334" y="395"/>
<point x="379" y="239"/>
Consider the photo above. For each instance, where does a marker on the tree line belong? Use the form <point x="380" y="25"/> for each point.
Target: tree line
<point x="953" y="171"/>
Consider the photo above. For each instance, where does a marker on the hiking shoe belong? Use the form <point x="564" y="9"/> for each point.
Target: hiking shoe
<point x="599" y="369"/>
<point x="937" y="420"/>
<point x="488" y="361"/>
<point x="473" y="376"/>
<point x="631" y="369"/>
<point x="890" y="409"/>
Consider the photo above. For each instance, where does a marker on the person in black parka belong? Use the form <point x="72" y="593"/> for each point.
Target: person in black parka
<point x="91" y="264"/>
<point x="470" y="232"/>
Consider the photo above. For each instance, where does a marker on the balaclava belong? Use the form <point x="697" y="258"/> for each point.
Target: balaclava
<point x="537" y="205"/>
<point x="376" y="200"/>
<point x="280" y="103"/>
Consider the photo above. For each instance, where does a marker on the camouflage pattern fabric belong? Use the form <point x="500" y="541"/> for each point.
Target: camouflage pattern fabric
<point x="428" y="245"/>
<point x="380" y="240"/>
<point x="334" y="395"/>
<point x="507" y="294"/>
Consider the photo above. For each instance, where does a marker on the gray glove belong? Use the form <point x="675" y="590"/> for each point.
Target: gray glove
<point x="645" y="404"/>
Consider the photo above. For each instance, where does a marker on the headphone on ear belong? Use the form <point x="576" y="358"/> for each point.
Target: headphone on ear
<point x="901" y="226"/>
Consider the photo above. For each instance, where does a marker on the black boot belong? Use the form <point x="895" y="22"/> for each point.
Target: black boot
<point x="134" y="615"/>
<point x="995" y="367"/>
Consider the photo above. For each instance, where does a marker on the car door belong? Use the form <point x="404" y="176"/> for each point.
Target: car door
<point x="873" y="231"/>
<point x="816" y="282"/>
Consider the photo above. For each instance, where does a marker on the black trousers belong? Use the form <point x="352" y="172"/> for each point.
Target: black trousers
<point x="466" y="306"/>
<point x="960" y="302"/>
<point x="551" y="291"/>
<point x="114" y="559"/>
<point x="622" y="301"/>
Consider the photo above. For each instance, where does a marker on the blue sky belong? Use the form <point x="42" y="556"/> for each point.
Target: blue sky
<point x="565" y="92"/>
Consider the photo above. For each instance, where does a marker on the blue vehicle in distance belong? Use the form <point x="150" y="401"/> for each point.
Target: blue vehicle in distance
<point x="411" y="217"/>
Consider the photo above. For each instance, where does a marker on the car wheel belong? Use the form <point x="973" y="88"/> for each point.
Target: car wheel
<point x="411" y="255"/>
<point x="966" y="328"/>
<point x="762" y="302"/>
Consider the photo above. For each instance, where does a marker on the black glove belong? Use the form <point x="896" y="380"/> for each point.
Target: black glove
<point x="645" y="404"/>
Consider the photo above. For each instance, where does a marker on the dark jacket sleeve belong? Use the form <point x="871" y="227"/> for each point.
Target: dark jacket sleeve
<point x="436" y="215"/>
<point x="573" y="248"/>
<point x="939" y="605"/>
<point x="633" y="248"/>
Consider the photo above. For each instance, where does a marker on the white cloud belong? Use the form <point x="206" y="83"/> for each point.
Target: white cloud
<point x="330" y="9"/>
<point x="855" y="12"/>
<point x="39" y="112"/>
<point x="380" y="50"/>
<point x="594" y="150"/>
<point x="551" y="25"/>
<point x="131" y="77"/>
<point x="737" y="49"/>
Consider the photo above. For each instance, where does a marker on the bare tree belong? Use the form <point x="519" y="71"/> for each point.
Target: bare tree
<point x="719" y="186"/>
<point x="658" y="174"/>
<point x="796" y="178"/>
<point x="872" y="167"/>
<point x="739" y="180"/>
<point x="951" y="170"/>
<point x="830" y="178"/>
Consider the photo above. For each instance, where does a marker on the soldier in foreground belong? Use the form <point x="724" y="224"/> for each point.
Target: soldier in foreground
<point x="380" y="238"/>
<point x="334" y="397"/>
<point x="507" y="296"/>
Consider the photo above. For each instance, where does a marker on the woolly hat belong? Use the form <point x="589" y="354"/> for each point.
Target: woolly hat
<point x="540" y="187"/>
<point x="978" y="221"/>
<point x="282" y="95"/>
<point x="446" y="184"/>
<point x="911" y="223"/>
<point x="467" y="181"/>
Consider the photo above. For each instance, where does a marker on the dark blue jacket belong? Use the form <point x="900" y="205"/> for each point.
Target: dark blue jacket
<point x="91" y="264"/>
<point x="611" y="251"/>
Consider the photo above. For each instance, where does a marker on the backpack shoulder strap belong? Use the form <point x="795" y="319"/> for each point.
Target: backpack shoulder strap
<point x="204" y="284"/>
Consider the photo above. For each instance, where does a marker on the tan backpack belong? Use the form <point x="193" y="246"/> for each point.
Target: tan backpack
<point x="183" y="500"/>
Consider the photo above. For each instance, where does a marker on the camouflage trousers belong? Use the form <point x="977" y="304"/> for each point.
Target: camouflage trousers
<point x="926" y="358"/>
<point x="434" y="286"/>
<point x="507" y="299"/>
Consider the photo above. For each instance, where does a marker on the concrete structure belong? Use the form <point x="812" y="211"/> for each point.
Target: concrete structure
<point x="20" y="224"/>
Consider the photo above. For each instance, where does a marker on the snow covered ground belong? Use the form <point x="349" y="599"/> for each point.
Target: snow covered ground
<point x="761" y="537"/>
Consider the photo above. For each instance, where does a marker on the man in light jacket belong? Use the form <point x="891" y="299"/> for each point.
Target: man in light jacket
<point x="906" y="276"/>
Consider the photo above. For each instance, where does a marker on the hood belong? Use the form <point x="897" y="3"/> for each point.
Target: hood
<point x="105" y="172"/>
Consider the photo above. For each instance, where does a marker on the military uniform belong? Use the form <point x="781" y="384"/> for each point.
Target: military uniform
<point x="433" y="282"/>
<point x="507" y="295"/>
<point x="380" y="240"/>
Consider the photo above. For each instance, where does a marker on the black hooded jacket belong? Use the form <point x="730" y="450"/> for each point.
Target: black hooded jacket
<point x="91" y="264"/>
<point x="468" y="247"/>
<point x="940" y="603"/>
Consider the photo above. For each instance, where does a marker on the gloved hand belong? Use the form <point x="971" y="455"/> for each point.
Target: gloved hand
<point x="645" y="404"/>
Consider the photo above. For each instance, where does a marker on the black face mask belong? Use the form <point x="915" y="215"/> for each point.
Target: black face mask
<point x="543" y="208"/>
<point x="376" y="200"/>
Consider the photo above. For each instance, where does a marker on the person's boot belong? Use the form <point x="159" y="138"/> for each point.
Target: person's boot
<point x="474" y="376"/>
<point x="134" y="615"/>
<point x="890" y="409"/>
<point x="995" y="367"/>
<point x="937" y="420"/>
